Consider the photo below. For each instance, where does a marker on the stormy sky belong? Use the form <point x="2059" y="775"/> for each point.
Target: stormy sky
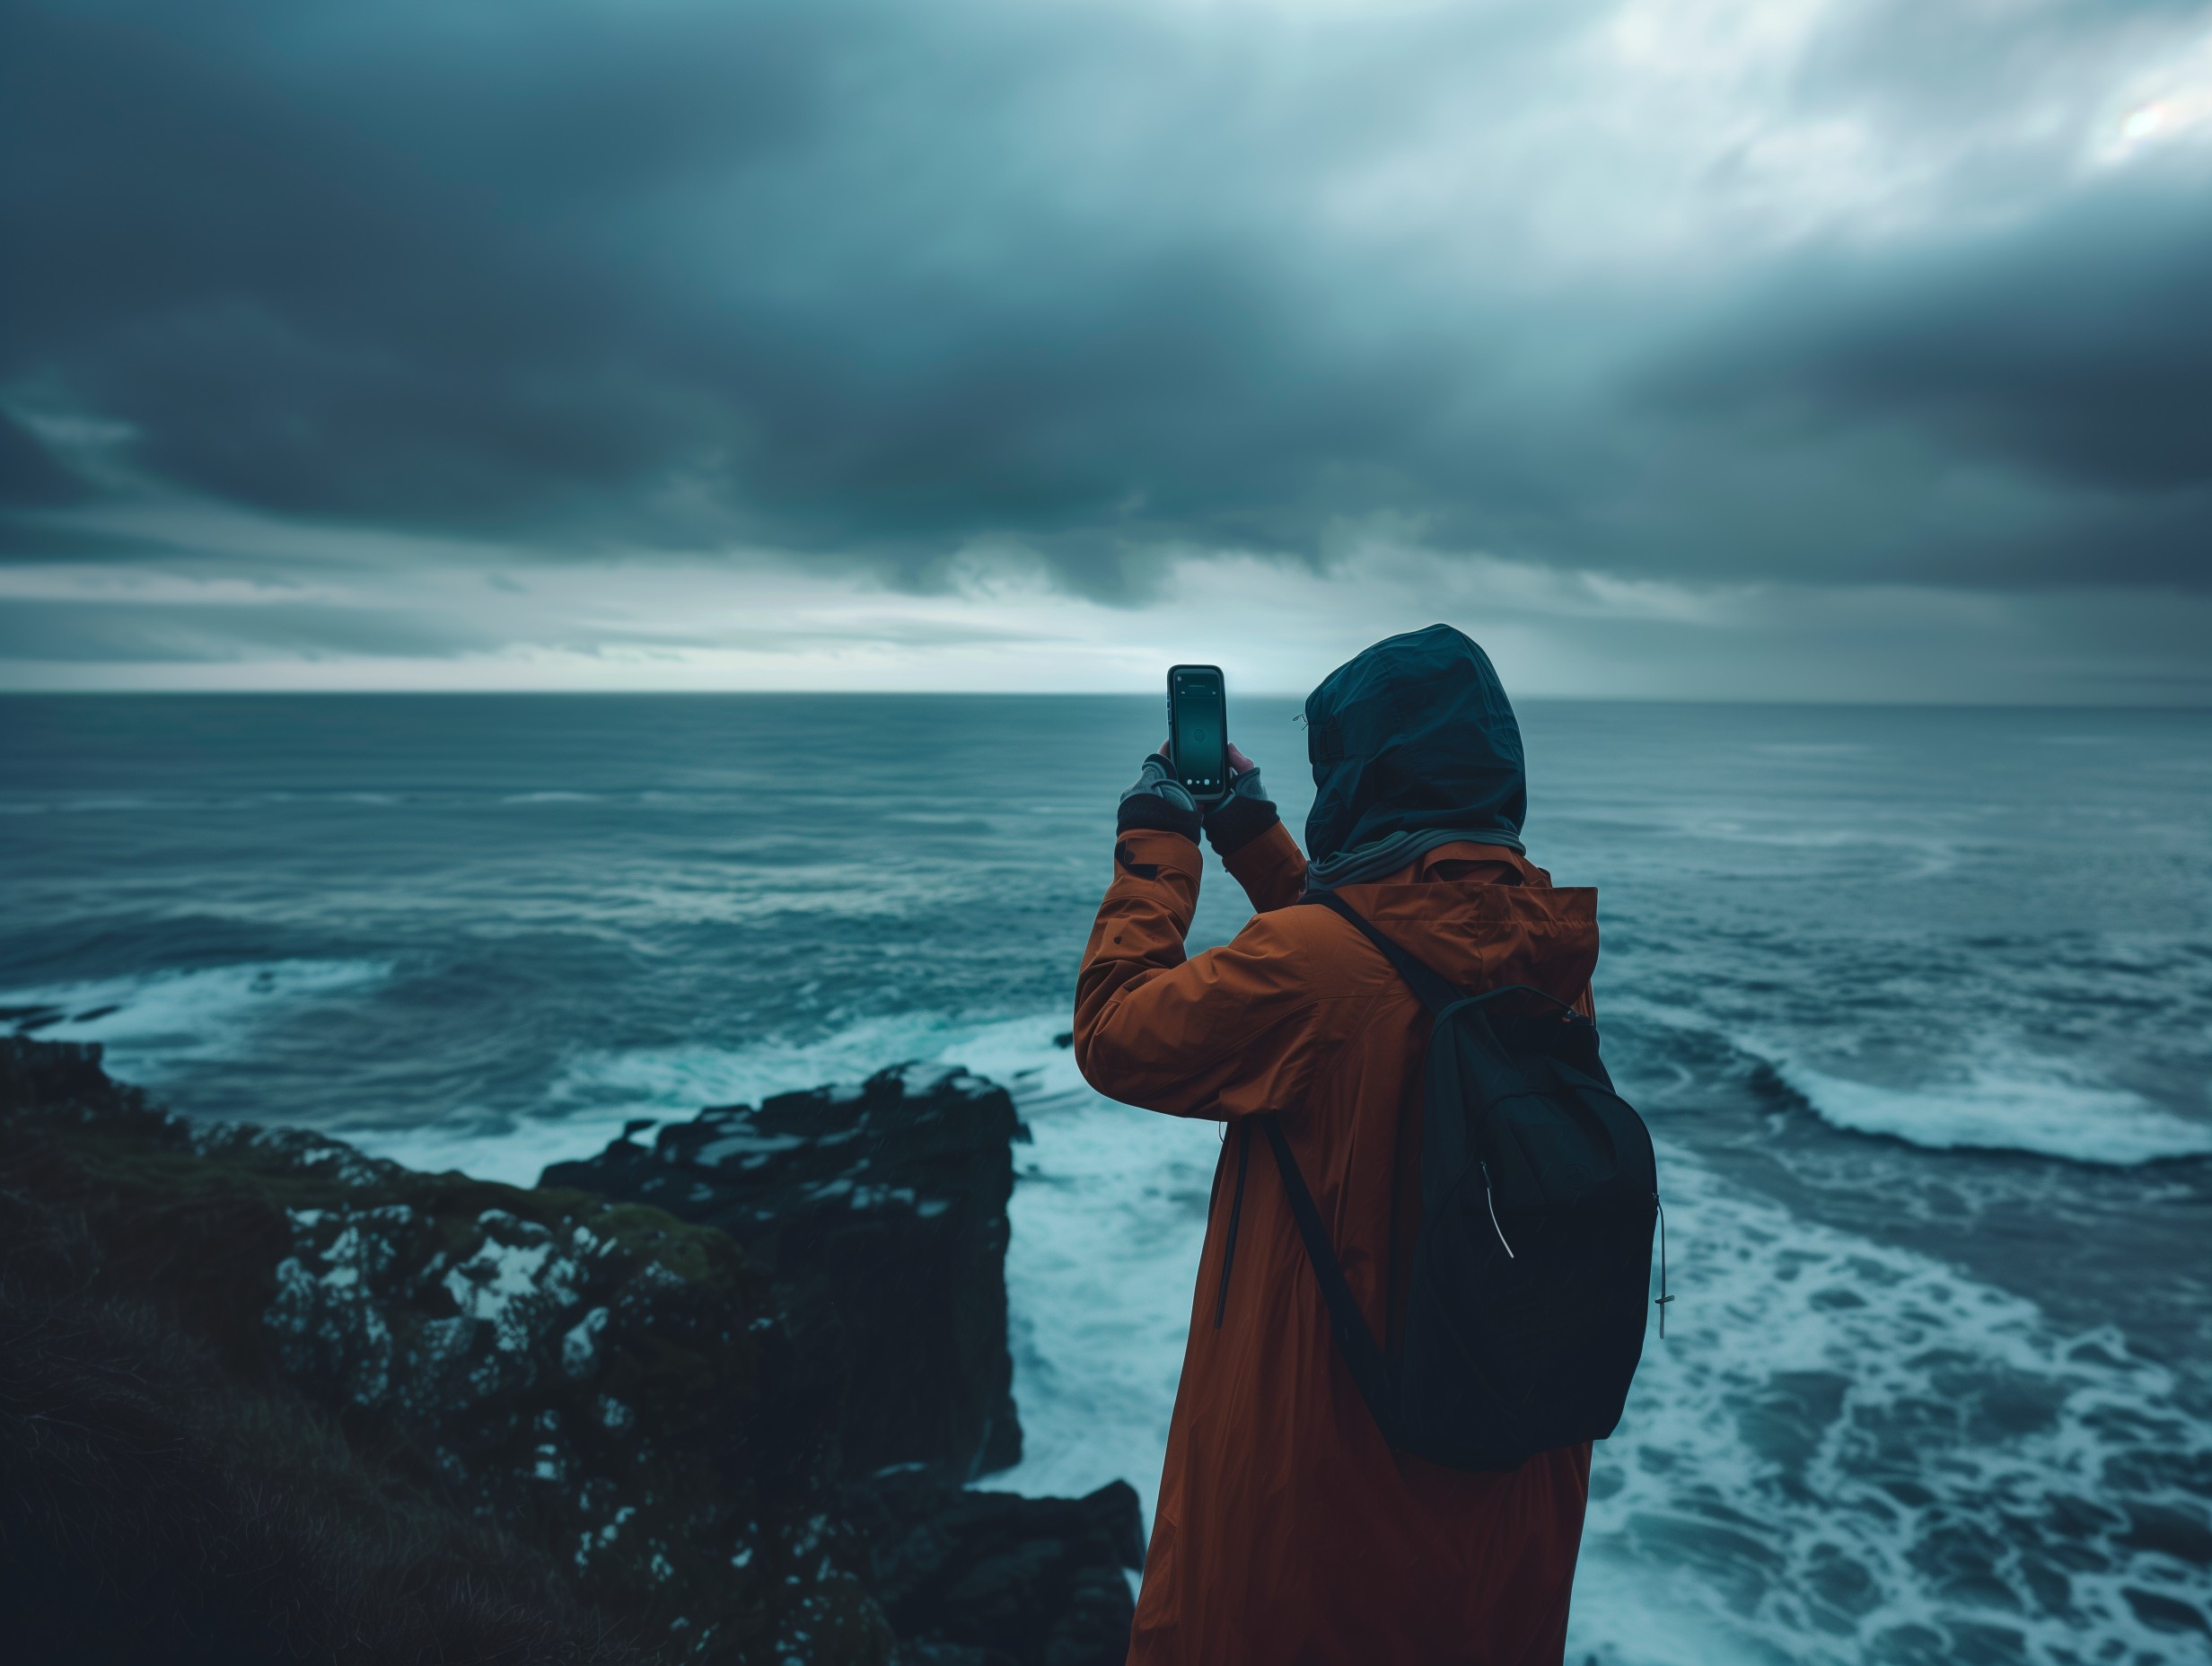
<point x="1774" y="349"/>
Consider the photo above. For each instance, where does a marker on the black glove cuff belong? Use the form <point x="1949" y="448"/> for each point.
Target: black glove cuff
<point x="1153" y="813"/>
<point x="1235" y="822"/>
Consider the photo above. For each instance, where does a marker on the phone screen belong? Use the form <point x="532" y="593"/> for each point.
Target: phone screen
<point x="1200" y="734"/>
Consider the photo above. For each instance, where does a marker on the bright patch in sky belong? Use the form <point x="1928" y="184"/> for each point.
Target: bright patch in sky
<point x="2162" y="107"/>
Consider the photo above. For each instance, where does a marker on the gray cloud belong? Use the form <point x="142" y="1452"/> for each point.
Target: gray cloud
<point x="870" y="282"/>
<point x="38" y="630"/>
<point x="2073" y="355"/>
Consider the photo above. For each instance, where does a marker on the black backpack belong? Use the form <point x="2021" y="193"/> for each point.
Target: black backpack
<point x="1524" y="1319"/>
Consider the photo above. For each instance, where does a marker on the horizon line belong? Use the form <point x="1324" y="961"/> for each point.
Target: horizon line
<point x="1065" y="694"/>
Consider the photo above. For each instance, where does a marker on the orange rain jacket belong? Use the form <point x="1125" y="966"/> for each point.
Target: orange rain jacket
<point x="1288" y="1531"/>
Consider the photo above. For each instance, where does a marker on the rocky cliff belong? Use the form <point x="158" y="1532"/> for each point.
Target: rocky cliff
<point x="879" y="1212"/>
<point x="302" y="1403"/>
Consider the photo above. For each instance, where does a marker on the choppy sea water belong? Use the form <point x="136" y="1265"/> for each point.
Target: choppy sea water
<point x="1917" y="1002"/>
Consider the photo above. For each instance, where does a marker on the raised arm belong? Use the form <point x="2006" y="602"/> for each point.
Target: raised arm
<point x="1218" y="1036"/>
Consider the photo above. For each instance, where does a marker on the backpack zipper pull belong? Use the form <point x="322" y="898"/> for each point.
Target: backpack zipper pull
<point x="1492" y="1207"/>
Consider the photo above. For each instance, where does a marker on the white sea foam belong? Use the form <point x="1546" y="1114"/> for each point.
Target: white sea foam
<point x="2015" y="1103"/>
<point x="676" y="1081"/>
<point x="1841" y="1445"/>
<point x="508" y="1149"/>
<point x="600" y="1092"/>
<point x="165" y="1018"/>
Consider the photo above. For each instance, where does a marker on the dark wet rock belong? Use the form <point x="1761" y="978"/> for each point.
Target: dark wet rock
<point x="880" y="1212"/>
<point x="1010" y="1580"/>
<point x="610" y="1386"/>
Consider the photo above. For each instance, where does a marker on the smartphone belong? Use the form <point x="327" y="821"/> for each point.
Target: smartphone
<point x="1198" y="731"/>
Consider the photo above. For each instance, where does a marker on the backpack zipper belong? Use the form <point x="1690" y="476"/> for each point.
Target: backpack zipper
<point x="1492" y="1207"/>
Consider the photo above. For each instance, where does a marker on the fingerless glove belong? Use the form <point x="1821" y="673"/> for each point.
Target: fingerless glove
<point x="1159" y="802"/>
<point x="1242" y="817"/>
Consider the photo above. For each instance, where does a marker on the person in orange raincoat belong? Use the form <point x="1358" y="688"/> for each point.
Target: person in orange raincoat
<point x="1287" y="1529"/>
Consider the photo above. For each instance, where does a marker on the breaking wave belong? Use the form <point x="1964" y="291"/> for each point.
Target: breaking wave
<point x="2018" y="1105"/>
<point x="149" y="1024"/>
<point x="1845" y="1440"/>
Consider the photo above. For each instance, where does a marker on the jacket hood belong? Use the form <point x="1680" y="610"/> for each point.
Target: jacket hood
<point x="1414" y="736"/>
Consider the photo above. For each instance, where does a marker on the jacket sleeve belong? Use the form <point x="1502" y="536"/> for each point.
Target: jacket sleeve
<point x="1225" y="1034"/>
<point x="1271" y="869"/>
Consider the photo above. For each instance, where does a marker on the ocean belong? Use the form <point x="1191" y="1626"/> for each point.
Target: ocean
<point x="1917" y="1002"/>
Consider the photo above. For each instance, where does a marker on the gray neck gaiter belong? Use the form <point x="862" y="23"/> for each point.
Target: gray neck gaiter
<point x="1377" y="858"/>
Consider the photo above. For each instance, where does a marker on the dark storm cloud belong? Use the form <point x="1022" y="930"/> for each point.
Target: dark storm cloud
<point x="29" y="478"/>
<point x="873" y="281"/>
<point x="2076" y="351"/>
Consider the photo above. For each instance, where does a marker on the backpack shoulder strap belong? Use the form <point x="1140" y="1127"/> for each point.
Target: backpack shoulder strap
<point x="1370" y="1371"/>
<point x="1434" y="992"/>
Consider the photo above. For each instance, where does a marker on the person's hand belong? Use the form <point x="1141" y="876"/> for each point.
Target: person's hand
<point x="1244" y="813"/>
<point x="1158" y="801"/>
